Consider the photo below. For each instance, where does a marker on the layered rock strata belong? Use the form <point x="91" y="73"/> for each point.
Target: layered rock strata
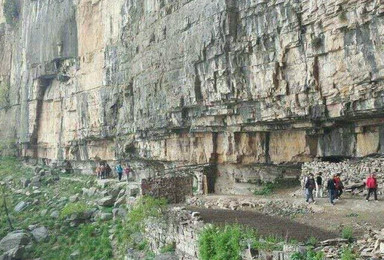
<point x="227" y="89"/>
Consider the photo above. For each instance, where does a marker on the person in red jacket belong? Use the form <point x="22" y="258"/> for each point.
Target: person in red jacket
<point x="371" y="186"/>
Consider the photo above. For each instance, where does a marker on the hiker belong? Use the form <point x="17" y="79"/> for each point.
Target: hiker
<point x="103" y="172"/>
<point x="98" y="171"/>
<point x="371" y="184"/>
<point x="108" y="170"/>
<point x="309" y="187"/>
<point x="331" y="187"/>
<point x="319" y="185"/>
<point x="119" y="170"/>
<point x="68" y="167"/>
<point x="339" y="186"/>
<point x="127" y="171"/>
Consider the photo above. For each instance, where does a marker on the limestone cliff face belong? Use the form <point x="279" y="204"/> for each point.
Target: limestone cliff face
<point x="232" y="86"/>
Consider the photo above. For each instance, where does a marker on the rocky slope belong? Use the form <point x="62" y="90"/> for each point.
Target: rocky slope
<point x="184" y="85"/>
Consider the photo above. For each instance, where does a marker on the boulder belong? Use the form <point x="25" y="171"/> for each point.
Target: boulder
<point x="89" y="192"/>
<point x="40" y="233"/>
<point x="105" y="216"/>
<point x="106" y="201"/>
<point x="120" y="201"/>
<point x="13" y="254"/>
<point x="21" y="206"/>
<point x="74" y="198"/>
<point x="14" y="240"/>
<point x="55" y="214"/>
<point x="36" y="181"/>
<point x="120" y="212"/>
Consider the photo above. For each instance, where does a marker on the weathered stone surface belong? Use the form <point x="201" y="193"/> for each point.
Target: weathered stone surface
<point x="14" y="240"/>
<point x="106" y="202"/>
<point x="40" y="233"/>
<point x="21" y="206"/>
<point x="198" y="82"/>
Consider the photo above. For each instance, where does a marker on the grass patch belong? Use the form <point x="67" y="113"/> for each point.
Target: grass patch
<point x="144" y="208"/>
<point x="229" y="241"/>
<point x="169" y="248"/>
<point x="347" y="233"/>
<point x="310" y="255"/>
<point x="73" y="208"/>
<point x="267" y="188"/>
<point x="129" y="232"/>
<point x="348" y="254"/>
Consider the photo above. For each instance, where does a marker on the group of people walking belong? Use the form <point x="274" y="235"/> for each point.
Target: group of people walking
<point x="103" y="171"/>
<point x="334" y="186"/>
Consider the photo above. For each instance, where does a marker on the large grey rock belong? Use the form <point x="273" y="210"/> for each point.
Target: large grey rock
<point x="89" y="192"/>
<point x="14" y="240"/>
<point x="106" y="202"/>
<point x="120" y="212"/>
<point x="106" y="216"/>
<point x="13" y="254"/>
<point x="55" y="214"/>
<point x="40" y="233"/>
<point x="120" y="201"/>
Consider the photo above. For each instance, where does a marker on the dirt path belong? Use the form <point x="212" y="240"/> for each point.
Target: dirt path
<point x="265" y="225"/>
<point x="351" y="211"/>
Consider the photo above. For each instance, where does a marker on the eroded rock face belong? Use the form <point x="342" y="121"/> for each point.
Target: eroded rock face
<point x="197" y="82"/>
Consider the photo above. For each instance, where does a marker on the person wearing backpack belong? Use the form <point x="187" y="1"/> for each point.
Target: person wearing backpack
<point x="309" y="187"/>
<point x="371" y="184"/>
<point x="339" y="186"/>
<point x="331" y="187"/>
<point x="119" y="170"/>
<point x="319" y="185"/>
<point x="102" y="171"/>
<point x="127" y="171"/>
<point x="108" y="170"/>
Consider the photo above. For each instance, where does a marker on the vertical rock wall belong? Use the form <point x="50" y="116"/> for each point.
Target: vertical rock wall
<point x="227" y="86"/>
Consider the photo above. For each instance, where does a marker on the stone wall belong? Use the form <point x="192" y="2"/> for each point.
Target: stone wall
<point x="179" y="228"/>
<point x="174" y="189"/>
<point x="191" y="83"/>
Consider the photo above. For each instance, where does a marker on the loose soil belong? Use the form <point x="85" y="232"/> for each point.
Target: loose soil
<point x="326" y="221"/>
<point x="265" y="225"/>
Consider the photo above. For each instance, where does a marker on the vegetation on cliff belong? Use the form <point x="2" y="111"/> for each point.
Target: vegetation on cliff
<point x="11" y="11"/>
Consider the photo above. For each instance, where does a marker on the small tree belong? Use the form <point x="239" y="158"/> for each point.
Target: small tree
<point x="3" y="205"/>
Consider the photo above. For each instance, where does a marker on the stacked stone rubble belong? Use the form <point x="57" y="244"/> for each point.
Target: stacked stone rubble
<point x="353" y="172"/>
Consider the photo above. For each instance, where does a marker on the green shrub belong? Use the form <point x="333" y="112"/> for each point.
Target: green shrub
<point x="267" y="189"/>
<point x="73" y="208"/>
<point x="216" y="243"/>
<point x="347" y="254"/>
<point x="297" y="256"/>
<point x="4" y="95"/>
<point x="347" y="233"/>
<point x="226" y="242"/>
<point x="167" y="248"/>
<point x="311" y="255"/>
<point x="312" y="241"/>
<point x="10" y="11"/>
<point x="280" y="183"/>
<point x="144" y="208"/>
